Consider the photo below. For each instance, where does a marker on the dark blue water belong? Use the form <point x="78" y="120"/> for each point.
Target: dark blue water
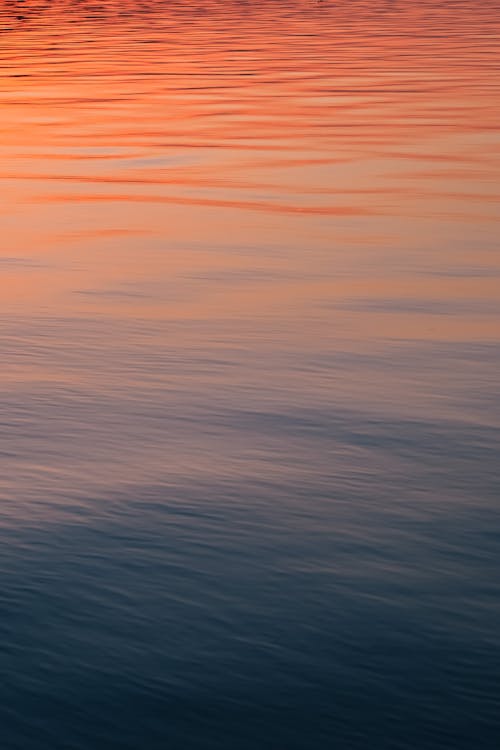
<point x="250" y="408"/>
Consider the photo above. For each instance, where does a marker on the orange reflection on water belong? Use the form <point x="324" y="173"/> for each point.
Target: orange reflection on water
<point x="309" y="161"/>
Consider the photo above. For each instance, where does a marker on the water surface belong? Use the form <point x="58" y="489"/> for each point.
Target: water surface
<point x="249" y="341"/>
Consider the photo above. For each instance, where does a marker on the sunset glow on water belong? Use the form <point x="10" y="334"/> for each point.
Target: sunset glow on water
<point x="250" y="426"/>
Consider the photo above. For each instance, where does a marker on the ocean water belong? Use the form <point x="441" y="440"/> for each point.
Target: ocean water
<point x="249" y="383"/>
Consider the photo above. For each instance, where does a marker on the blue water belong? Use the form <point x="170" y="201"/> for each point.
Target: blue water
<point x="249" y="447"/>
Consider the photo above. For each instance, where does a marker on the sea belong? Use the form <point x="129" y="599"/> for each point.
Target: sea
<point x="249" y="375"/>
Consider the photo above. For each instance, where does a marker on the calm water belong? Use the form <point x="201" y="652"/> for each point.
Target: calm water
<point x="250" y="353"/>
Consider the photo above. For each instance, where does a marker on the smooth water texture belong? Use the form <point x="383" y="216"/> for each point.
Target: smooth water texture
<point x="249" y="384"/>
